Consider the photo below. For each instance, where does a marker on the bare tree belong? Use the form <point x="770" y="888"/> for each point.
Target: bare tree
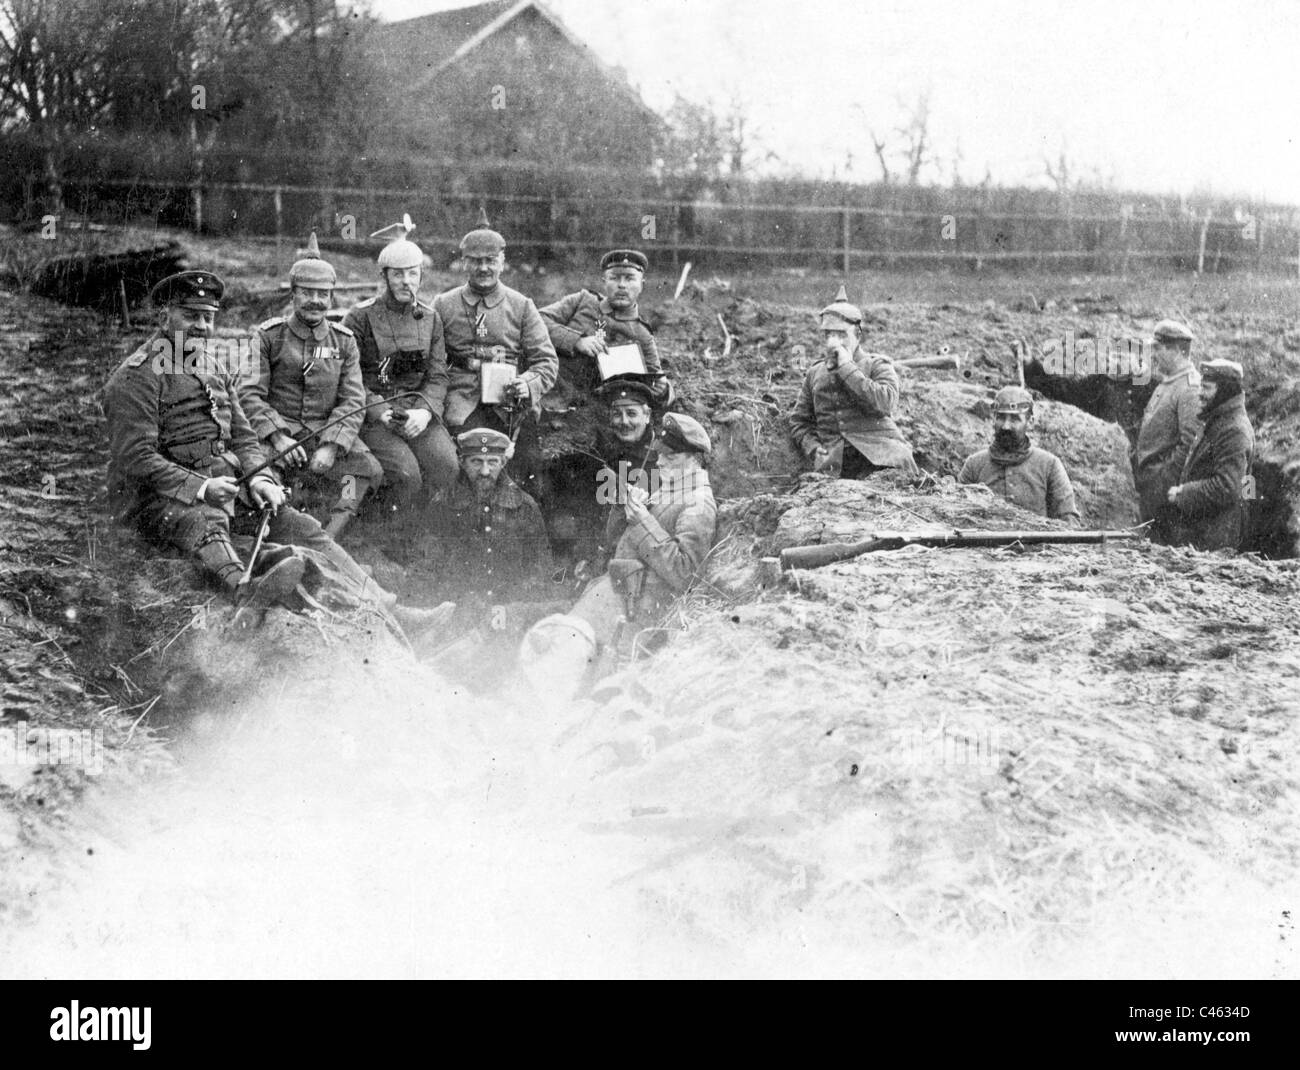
<point x="878" y="145"/>
<point x="915" y="132"/>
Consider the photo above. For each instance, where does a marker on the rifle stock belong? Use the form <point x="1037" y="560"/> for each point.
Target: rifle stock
<point x="828" y="553"/>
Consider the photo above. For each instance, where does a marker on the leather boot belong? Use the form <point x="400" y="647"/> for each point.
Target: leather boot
<point x="217" y="554"/>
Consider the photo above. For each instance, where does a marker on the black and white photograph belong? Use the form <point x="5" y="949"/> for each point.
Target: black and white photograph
<point x="667" y="489"/>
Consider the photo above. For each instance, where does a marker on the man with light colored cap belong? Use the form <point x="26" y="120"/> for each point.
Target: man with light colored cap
<point x="843" y="420"/>
<point x="186" y="467"/>
<point x="661" y="542"/>
<point x="1210" y="498"/>
<point x="1023" y="474"/>
<point x="403" y="359"/>
<point x="308" y="377"/>
<point x="1169" y="426"/>
<point x="584" y="325"/>
<point x="487" y="323"/>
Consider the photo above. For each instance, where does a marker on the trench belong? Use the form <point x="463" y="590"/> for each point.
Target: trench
<point x="1271" y="521"/>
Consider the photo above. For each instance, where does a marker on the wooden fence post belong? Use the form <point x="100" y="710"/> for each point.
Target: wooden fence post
<point x="279" y="227"/>
<point x="846" y="231"/>
<point x="1200" y="255"/>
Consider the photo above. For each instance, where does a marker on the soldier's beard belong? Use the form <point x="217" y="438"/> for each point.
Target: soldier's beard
<point x="1010" y="441"/>
<point x="483" y="487"/>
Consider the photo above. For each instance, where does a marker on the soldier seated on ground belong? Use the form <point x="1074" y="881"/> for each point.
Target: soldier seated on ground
<point x="843" y="420"/>
<point x="185" y="466"/>
<point x="1023" y="474"/>
<point x="487" y="545"/>
<point x="1209" y="498"/>
<point x="660" y="541"/>
<point x="495" y="337"/>
<point x="582" y="326"/>
<point x="400" y="339"/>
<point x="308" y="378"/>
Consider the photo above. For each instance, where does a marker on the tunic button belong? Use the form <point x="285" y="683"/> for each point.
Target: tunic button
<point x="487" y="527"/>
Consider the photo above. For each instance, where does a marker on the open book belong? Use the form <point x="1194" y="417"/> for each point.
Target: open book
<point x="623" y="359"/>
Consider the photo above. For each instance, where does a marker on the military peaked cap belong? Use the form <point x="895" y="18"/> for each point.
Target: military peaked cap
<point x="682" y="434"/>
<point x="190" y="289"/>
<point x="625" y="258"/>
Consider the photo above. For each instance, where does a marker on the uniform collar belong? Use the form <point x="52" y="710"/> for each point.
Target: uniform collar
<point x="397" y="306"/>
<point x="319" y="333"/>
<point x="473" y="298"/>
<point x="1193" y="376"/>
<point x="607" y="310"/>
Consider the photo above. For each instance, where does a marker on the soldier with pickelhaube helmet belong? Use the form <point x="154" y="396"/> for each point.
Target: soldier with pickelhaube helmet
<point x="309" y="377"/>
<point x="402" y="353"/>
<point x="1015" y="469"/>
<point x="485" y="322"/>
<point x="584" y="325"/>
<point x="843" y="421"/>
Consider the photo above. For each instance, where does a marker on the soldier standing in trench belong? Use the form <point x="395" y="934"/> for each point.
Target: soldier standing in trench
<point x="1169" y="425"/>
<point x="843" y="419"/>
<point x="1017" y="470"/>
<point x="1208" y="498"/>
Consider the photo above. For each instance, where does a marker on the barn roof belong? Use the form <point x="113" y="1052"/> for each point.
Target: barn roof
<point x="427" y="44"/>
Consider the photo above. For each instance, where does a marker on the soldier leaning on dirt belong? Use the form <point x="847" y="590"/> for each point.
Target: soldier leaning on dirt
<point x="661" y="542"/>
<point x="486" y="322"/>
<point x="842" y="421"/>
<point x="180" y="442"/>
<point x="309" y="376"/>
<point x="1208" y="499"/>
<point x="1016" y="470"/>
<point x="400" y="339"/>
<point x="1169" y="426"/>
<point x="583" y="325"/>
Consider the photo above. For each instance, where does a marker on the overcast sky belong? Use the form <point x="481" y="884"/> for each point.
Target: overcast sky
<point x="1164" y="96"/>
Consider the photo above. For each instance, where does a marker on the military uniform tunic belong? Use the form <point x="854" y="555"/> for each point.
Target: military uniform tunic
<point x="584" y="314"/>
<point x="1169" y="426"/>
<point x="502" y="325"/>
<point x="169" y="432"/>
<point x="1038" y="483"/>
<point x="309" y="377"/>
<point x="494" y="549"/>
<point x="851" y="406"/>
<point x="400" y="353"/>
<point x="1210" y="503"/>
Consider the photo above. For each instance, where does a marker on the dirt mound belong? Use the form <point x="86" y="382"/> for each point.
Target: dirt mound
<point x="1025" y="752"/>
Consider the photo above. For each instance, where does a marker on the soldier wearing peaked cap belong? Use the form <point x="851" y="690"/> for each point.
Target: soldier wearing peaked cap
<point x="308" y="376"/>
<point x="661" y="542"/>
<point x="485" y="323"/>
<point x="403" y="351"/>
<point x="488" y="535"/>
<point x="843" y="420"/>
<point x="1210" y="497"/>
<point x="584" y="324"/>
<point x="624" y="444"/>
<point x="179" y="444"/>
<point x="1023" y="474"/>
<point x="1169" y="426"/>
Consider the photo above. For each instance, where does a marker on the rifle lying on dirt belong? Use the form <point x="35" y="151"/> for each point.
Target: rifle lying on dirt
<point x="829" y="553"/>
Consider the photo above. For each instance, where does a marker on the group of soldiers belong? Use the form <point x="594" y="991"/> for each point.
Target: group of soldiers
<point x="431" y="409"/>
<point x="428" y="409"/>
